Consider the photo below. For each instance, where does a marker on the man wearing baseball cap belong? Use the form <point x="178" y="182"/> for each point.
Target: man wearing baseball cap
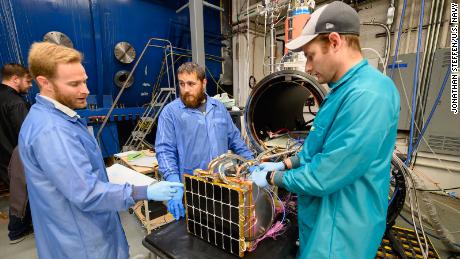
<point x="342" y="174"/>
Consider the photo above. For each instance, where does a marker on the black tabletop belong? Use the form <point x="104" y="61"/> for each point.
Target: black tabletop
<point x="173" y="241"/>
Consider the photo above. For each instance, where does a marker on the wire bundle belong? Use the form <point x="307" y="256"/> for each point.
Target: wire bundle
<point x="413" y="183"/>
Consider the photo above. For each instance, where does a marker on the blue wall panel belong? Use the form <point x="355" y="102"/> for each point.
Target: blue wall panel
<point x="106" y="22"/>
<point x="33" y="19"/>
<point x="95" y="27"/>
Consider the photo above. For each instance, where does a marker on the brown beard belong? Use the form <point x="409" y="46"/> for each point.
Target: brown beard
<point x="65" y="100"/>
<point x="193" y="101"/>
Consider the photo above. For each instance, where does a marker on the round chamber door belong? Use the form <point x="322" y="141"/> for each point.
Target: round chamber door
<point x="282" y="107"/>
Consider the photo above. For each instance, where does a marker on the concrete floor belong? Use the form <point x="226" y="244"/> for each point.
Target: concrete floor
<point x="135" y="233"/>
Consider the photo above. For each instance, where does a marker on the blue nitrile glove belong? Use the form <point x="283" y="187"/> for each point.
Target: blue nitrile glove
<point x="163" y="191"/>
<point x="253" y="168"/>
<point x="269" y="166"/>
<point x="259" y="177"/>
<point x="175" y="206"/>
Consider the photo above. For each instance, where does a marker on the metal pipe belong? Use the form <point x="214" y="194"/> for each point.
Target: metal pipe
<point x="429" y="41"/>
<point x="182" y="8"/>
<point x="431" y="47"/>
<point x="445" y="28"/>
<point x="190" y="51"/>
<point x="172" y="65"/>
<point x="284" y="153"/>
<point x="426" y="49"/>
<point x="278" y="25"/>
<point x="411" y="21"/>
<point x="252" y="11"/>
<point x="226" y="156"/>
<point x="429" y="68"/>
<point x="197" y="31"/>
<point x="254" y="50"/>
<point x="167" y="68"/>
<point x="272" y="45"/>
<point x="401" y="22"/>
<point x="434" y="40"/>
<point x="433" y="43"/>
<point x="415" y="85"/>
<point x="387" y="40"/>
<point x="205" y="4"/>
<point x="418" y="110"/>
<point x="213" y="6"/>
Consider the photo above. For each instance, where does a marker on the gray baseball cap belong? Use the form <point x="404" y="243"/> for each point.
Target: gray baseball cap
<point x="334" y="17"/>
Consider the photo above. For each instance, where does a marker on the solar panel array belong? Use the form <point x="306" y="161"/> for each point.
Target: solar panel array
<point x="213" y="213"/>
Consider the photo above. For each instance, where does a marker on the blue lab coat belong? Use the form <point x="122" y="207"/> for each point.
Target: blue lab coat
<point x="74" y="208"/>
<point x="344" y="175"/>
<point x="187" y="139"/>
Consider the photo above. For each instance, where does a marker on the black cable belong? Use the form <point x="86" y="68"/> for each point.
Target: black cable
<point x="309" y="109"/>
<point x="252" y="82"/>
<point x="428" y="233"/>
<point x="306" y="123"/>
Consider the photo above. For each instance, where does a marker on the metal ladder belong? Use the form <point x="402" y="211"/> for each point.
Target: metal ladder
<point x="161" y="97"/>
<point x="137" y="139"/>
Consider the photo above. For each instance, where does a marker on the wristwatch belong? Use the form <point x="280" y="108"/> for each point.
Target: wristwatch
<point x="285" y="165"/>
<point x="268" y="177"/>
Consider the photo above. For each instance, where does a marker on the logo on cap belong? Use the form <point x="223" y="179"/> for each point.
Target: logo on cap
<point x="329" y="26"/>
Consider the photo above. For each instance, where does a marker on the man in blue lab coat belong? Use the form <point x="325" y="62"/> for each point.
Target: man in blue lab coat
<point x="74" y="207"/>
<point x="193" y="130"/>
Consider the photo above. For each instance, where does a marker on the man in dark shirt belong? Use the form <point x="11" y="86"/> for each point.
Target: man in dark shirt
<point x="16" y="81"/>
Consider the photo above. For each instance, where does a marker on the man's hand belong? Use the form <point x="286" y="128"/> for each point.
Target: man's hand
<point x="164" y="190"/>
<point x="259" y="177"/>
<point x="175" y="206"/>
<point x="269" y="166"/>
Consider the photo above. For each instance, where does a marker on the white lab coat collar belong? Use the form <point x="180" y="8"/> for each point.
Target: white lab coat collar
<point x="61" y="107"/>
